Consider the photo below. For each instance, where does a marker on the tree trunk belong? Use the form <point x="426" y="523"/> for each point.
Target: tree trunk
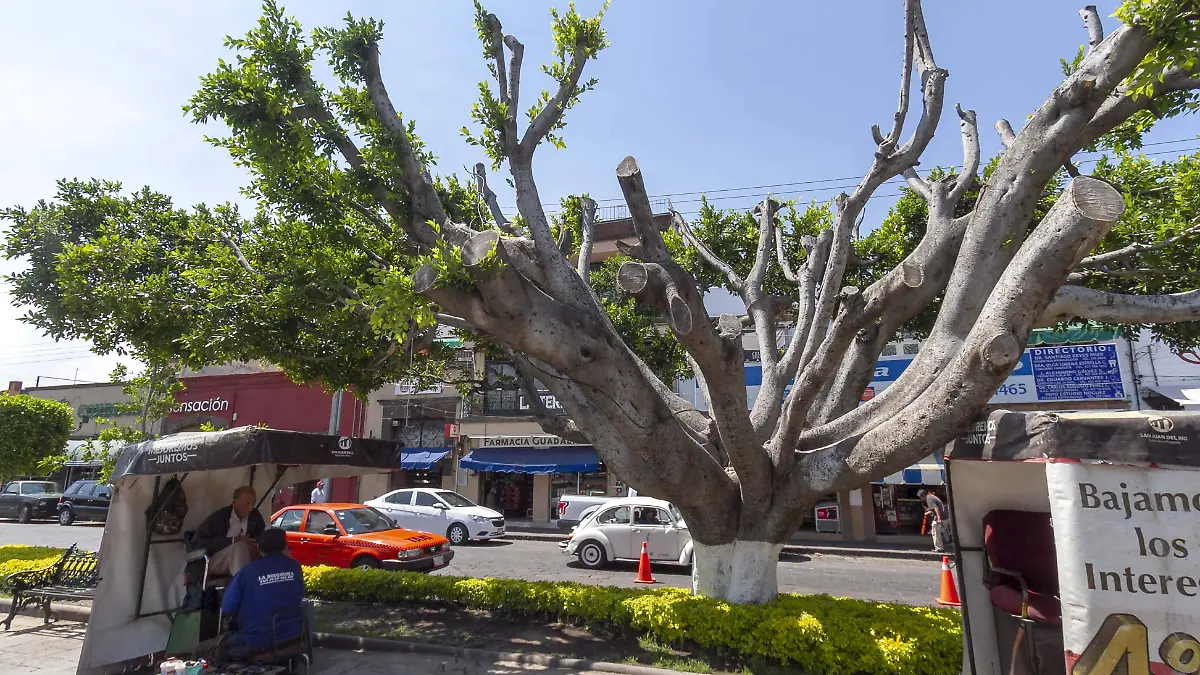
<point x="739" y="564"/>
<point x="740" y="572"/>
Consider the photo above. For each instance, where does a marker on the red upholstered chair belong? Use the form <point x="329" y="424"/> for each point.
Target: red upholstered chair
<point x="1022" y="581"/>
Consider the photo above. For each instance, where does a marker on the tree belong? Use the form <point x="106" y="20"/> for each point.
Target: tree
<point x="358" y="252"/>
<point x="31" y="429"/>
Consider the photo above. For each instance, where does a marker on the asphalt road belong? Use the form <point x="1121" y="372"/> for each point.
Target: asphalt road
<point x="880" y="579"/>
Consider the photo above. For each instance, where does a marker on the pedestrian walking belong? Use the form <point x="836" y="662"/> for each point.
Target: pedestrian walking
<point x="318" y="493"/>
<point x="941" y="518"/>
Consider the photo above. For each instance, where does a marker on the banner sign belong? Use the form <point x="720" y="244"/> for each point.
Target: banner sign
<point x="1070" y="373"/>
<point x="1128" y="543"/>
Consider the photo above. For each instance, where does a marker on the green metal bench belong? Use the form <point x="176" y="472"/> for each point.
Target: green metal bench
<point x="73" y="577"/>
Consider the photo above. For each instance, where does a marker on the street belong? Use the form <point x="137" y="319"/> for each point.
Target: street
<point x="880" y="579"/>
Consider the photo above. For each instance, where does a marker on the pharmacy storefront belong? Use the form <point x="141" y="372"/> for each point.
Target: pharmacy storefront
<point x="523" y="476"/>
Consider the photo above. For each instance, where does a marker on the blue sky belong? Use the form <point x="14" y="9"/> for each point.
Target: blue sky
<point x="707" y="95"/>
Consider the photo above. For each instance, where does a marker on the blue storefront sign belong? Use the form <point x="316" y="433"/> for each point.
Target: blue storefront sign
<point x="1066" y="373"/>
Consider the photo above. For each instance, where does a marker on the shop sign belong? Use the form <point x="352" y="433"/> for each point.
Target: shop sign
<point x="410" y="388"/>
<point x="1066" y="373"/>
<point x="536" y="441"/>
<point x="106" y="410"/>
<point x="548" y="400"/>
<point x="214" y="404"/>
<point x="451" y="431"/>
<point x="1127" y="541"/>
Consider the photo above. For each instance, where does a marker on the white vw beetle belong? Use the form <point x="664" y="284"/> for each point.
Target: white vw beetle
<point x="616" y="531"/>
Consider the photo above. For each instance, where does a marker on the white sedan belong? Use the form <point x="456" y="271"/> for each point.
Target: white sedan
<point x="441" y="512"/>
<point x="616" y="531"/>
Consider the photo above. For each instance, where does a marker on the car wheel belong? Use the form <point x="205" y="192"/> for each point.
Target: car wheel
<point x="591" y="555"/>
<point x="457" y="534"/>
<point x="24" y="514"/>
<point x="365" y="562"/>
<point x="66" y="516"/>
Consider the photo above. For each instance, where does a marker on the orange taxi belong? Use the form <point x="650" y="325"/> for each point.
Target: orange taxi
<point x="354" y="535"/>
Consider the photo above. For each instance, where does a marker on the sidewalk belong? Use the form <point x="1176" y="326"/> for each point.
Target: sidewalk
<point x="35" y="649"/>
<point x="796" y="546"/>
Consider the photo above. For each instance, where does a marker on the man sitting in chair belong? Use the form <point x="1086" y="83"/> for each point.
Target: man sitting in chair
<point x="267" y="599"/>
<point x="228" y="534"/>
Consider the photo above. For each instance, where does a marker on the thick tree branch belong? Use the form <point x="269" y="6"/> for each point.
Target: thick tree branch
<point x="629" y="175"/>
<point x="890" y="161"/>
<point x="453" y="321"/>
<point x="514" y="78"/>
<point x="425" y="201"/>
<point x="1118" y="308"/>
<point x="559" y="425"/>
<point x="1081" y="217"/>
<point x="584" y="263"/>
<point x="767" y="409"/>
<point x="1001" y="216"/>
<point x="970" y="141"/>
<point x="1095" y="29"/>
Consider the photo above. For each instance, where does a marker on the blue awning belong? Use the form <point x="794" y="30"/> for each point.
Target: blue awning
<point x="563" y="459"/>
<point x="421" y="458"/>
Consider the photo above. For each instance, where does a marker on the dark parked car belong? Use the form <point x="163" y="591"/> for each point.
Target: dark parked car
<point x="27" y="500"/>
<point x="84" y="500"/>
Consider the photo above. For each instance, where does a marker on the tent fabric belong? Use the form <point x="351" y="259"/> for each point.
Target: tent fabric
<point x="564" y="459"/>
<point x="1157" y="436"/>
<point x="215" y="465"/>
<point x="249" y="446"/>
<point x="422" y="459"/>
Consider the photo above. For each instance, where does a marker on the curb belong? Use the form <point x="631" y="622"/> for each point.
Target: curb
<point x="68" y="612"/>
<point x="353" y="642"/>
<point x="795" y="549"/>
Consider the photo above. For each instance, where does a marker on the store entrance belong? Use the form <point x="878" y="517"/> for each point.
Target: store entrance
<point x="509" y="493"/>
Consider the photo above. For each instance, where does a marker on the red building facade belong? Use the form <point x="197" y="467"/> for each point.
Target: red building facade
<point x="270" y="399"/>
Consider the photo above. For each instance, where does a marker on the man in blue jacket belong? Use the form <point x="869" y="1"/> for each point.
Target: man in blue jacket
<point x="267" y="597"/>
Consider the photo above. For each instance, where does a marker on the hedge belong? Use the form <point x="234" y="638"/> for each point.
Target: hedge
<point x="18" y="558"/>
<point x="817" y="633"/>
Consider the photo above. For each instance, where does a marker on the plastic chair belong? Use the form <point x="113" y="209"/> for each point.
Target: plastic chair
<point x="1022" y="581"/>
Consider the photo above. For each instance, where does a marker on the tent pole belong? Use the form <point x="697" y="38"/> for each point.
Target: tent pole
<point x="278" y="476"/>
<point x="146" y="549"/>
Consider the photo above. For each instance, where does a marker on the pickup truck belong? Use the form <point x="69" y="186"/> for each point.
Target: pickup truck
<point x="572" y="508"/>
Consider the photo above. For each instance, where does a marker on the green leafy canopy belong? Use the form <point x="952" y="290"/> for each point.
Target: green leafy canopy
<point x="31" y="429"/>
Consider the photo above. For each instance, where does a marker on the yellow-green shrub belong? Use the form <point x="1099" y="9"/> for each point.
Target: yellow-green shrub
<point x="818" y="633"/>
<point x="19" y="558"/>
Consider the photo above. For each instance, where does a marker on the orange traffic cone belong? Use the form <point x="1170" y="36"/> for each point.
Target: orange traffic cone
<point x="949" y="594"/>
<point x="643" y="576"/>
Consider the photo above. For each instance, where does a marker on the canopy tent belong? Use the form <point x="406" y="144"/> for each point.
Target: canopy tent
<point x="422" y="459"/>
<point x="141" y="576"/>
<point x="563" y="459"/>
<point x="1012" y="469"/>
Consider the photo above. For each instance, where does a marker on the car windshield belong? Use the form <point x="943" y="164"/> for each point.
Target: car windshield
<point x="359" y="521"/>
<point x="454" y="499"/>
<point x="38" y="488"/>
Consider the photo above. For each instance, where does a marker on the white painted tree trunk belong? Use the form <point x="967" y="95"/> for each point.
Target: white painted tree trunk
<point x="739" y="572"/>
